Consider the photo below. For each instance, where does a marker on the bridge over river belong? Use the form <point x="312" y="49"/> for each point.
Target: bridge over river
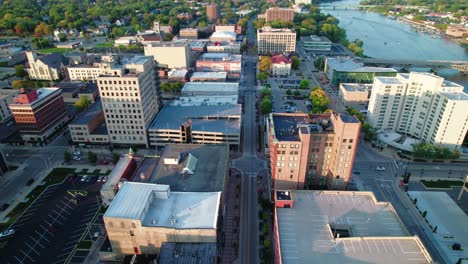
<point x="435" y="65"/>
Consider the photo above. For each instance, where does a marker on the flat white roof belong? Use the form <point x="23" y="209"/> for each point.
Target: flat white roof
<point x="451" y="221"/>
<point x="376" y="234"/>
<point x="204" y="100"/>
<point x="215" y="75"/>
<point x="210" y="87"/>
<point x="356" y="87"/>
<point x="156" y="206"/>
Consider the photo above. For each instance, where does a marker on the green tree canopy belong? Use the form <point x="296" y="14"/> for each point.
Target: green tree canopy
<point x="304" y="84"/>
<point x="319" y="63"/>
<point x="171" y="87"/>
<point x="319" y="100"/>
<point x="262" y="77"/>
<point x="266" y="106"/>
<point x="296" y="62"/>
<point x="82" y="103"/>
<point x="20" y="71"/>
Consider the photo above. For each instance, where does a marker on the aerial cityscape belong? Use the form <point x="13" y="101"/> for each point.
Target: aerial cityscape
<point x="233" y="132"/>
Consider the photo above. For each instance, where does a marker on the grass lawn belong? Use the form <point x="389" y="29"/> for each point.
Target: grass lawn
<point x="105" y="45"/>
<point x="441" y="183"/>
<point x="53" y="50"/>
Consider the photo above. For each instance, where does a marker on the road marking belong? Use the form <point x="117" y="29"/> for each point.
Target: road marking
<point x="20" y="261"/>
<point x="36" y="242"/>
<point x="66" y="204"/>
<point x="67" y="248"/>
<point x="32" y="248"/>
<point x="71" y="242"/>
<point x="26" y="255"/>
<point x="58" y="214"/>
<point x="42" y="236"/>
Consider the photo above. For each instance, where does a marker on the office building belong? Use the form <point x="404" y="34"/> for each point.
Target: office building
<point x="341" y="227"/>
<point x="48" y="67"/>
<point x="188" y="33"/>
<point x="174" y="54"/>
<point x="88" y="72"/>
<point x="344" y="70"/>
<point x="212" y="12"/>
<point x="6" y="98"/>
<point x="38" y="113"/>
<point x="313" y="150"/>
<point x="280" y="65"/>
<point x="202" y="120"/>
<point x="220" y="36"/>
<point x="315" y="43"/>
<point x="89" y="127"/>
<point x="421" y="106"/>
<point x="216" y="62"/>
<point x="224" y="47"/>
<point x="210" y="89"/>
<point x="130" y="101"/>
<point x="352" y="94"/>
<point x="143" y="216"/>
<point x="271" y="40"/>
<point x="281" y="14"/>
<point x="73" y="91"/>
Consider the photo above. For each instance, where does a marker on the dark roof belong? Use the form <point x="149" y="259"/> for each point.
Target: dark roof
<point x="280" y="59"/>
<point x="77" y="87"/>
<point x="89" y="114"/>
<point x="187" y="253"/>
<point x="151" y="38"/>
<point x="348" y="118"/>
<point x="54" y="60"/>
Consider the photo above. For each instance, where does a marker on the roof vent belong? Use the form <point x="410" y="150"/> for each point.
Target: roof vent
<point x="173" y="221"/>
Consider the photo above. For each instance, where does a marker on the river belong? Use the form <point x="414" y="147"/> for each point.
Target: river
<point x="389" y="39"/>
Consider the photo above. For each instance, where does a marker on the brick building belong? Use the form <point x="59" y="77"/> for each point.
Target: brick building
<point x="277" y="13"/>
<point x="313" y="150"/>
<point x="216" y="62"/>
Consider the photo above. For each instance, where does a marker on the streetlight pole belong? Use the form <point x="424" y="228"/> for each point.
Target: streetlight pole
<point x="463" y="188"/>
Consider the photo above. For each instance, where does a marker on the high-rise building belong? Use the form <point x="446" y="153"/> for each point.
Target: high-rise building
<point x="277" y="13"/>
<point x="276" y="40"/>
<point x="212" y="12"/>
<point x="174" y="54"/>
<point x="420" y="105"/>
<point x="130" y="101"/>
<point x="317" y="150"/>
<point x="38" y="113"/>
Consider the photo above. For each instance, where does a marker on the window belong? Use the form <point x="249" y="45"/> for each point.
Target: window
<point x="133" y="225"/>
<point x="132" y="233"/>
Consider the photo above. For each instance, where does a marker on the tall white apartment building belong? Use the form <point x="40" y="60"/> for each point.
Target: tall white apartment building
<point x="130" y="101"/>
<point x="421" y="105"/>
<point x="276" y="40"/>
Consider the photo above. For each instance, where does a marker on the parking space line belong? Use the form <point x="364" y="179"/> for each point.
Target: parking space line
<point x="67" y="248"/>
<point x="42" y="236"/>
<point x="71" y="242"/>
<point x="20" y="261"/>
<point x="78" y="235"/>
<point x="59" y="214"/>
<point x="79" y="231"/>
<point x="26" y="255"/>
<point x="63" y="210"/>
<point x="66" y="204"/>
<point x="60" y="261"/>
<point x="36" y="242"/>
<point x="32" y="248"/>
<point x="68" y="253"/>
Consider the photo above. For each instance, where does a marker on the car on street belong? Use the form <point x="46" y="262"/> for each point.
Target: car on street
<point x="105" y="179"/>
<point x="357" y="172"/>
<point x="380" y="168"/>
<point x="77" y="152"/>
<point x="7" y="233"/>
<point x="83" y="178"/>
<point x="4" y="207"/>
<point x="77" y="158"/>
<point x="30" y="182"/>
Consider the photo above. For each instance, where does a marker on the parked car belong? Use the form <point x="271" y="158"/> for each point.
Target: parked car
<point x="30" y="182"/>
<point x="100" y="178"/>
<point x="380" y="168"/>
<point x="77" y="152"/>
<point x="4" y="207"/>
<point x="84" y="178"/>
<point x="7" y="233"/>
<point x="76" y="158"/>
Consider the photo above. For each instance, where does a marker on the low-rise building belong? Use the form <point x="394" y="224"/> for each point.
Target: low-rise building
<point x="202" y="122"/>
<point x="198" y="46"/>
<point x="224" y="47"/>
<point x="208" y="77"/>
<point x="123" y="171"/>
<point x="68" y="45"/>
<point x="89" y="72"/>
<point x="144" y="216"/>
<point x="272" y="40"/>
<point x="221" y="36"/>
<point x="48" y="67"/>
<point x="233" y="28"/>
<point x="178" y="75"/>
<point x="125" y="41"/>
<point x="174" y="54"/>
<point x="6" y="98"/>
<point x="89" y="127"/>
<point x="73" y="91"/>
<point x="354" y="93"/>
<point x="38" y="113"/>
<point x="280" y="65"/>
<point x="210" y="89"/>
<point x="315" y="43"/>
<point x="341" y="227"/>
<point x="216" y="62"/>
<point x="188" y="33"/>
<point x="344" y="70"/>
<point x="185" y="253"/>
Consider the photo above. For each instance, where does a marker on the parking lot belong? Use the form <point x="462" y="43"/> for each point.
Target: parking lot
<point x="49" y="230"/>
<point x="284" y="103"/>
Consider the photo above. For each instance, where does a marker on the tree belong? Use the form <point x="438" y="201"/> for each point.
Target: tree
<point x="355" y="112"/>
<point x="304" y="84"/>
<point x="369" y="132"/>
<point x="297" y="93"/>
<point x="62" y="37"/>
<point x="19" y="71"/>
<point x="319" y="63"/>
<point x="66" y="156"/>
<point x="82" y="104"/>
<point x="296" y="62"/>
<point x="115" y="158"/>
<point x="171" y="87"/>
<point x="319" y="100"/>
<point x="424" y="214"/>
<point x="92" y="157"/>
<point x="266" y="106"/>
<point x="289" y="92"/>
<point x="262" y="77"/>
<point x="264" y="65"/>
<point x="168" y="36"/>
<point x="265" y="92"/>
<point x="42" y="29"/>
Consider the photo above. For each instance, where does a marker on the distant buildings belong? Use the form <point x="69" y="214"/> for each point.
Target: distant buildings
<point x="343" y="70"/>
<point x="317" y="150"/>
<point x="341" y="227"/>
<point x="48" y="67"/>
<point x="315" y="43"/>
<point x="38" y="113"/>
<point x="125" y="41"/>
<point x="212" y="12"/>
<point x="89" y="127"/>
<point x="305" y="2"/>
<point x="174" y="54"/>
<point x="6" y="98"/>
<point x="233" y="28"/>
<point x="272" y="40"/>
<point x="188" y="33"/>
<point x="422" y="106"/>
<point x="130" y="101"/>
<point x="228" y="36"/>
<point x="280" y="65"/>
<point x="216" y="62"/>
<point x="458" y="32"/>
<point x="224" y="47"/>
<point x="277" y="13"/>
<point x="354" y="93"/>
<point x="208" y="77"/>
<point x="140" y="209"/>
<point x="106" y="65"/>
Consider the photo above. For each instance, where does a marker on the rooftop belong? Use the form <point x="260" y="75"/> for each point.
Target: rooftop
<point x="42" y="93"/>
<point x="137" y="60"/>
<point x="455" y="96"/>
<point x="117" y="171"/>
<point x="209" y="75"/>
<point x="155" y="205"/>
<point x="187" y="253"/>
<point x="209" y="174"/>
<point x="174" y="73"/>
<point x="388" y="80"/>
<point x="78" y="87"/>
<point x="224" y="118"/>
<point x="223" y="87"/>
<point x="450" y="220"/>
<point x="224" y="34"/>
<point x="345" y="64"/>
<point x="275" y="30"/>
<point x="198" y="43"/>
<point x="174" y="43"/>
<point x="369" y="231"/>
<point x="220" y="57"/>
<point x="285" y="125"/>
<point x="205" y="100"/>
<point x="315" y="38"/>
<point x="89" y="114"/>
<point x="277" y="59"/>
<point x="356" y="87"/>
